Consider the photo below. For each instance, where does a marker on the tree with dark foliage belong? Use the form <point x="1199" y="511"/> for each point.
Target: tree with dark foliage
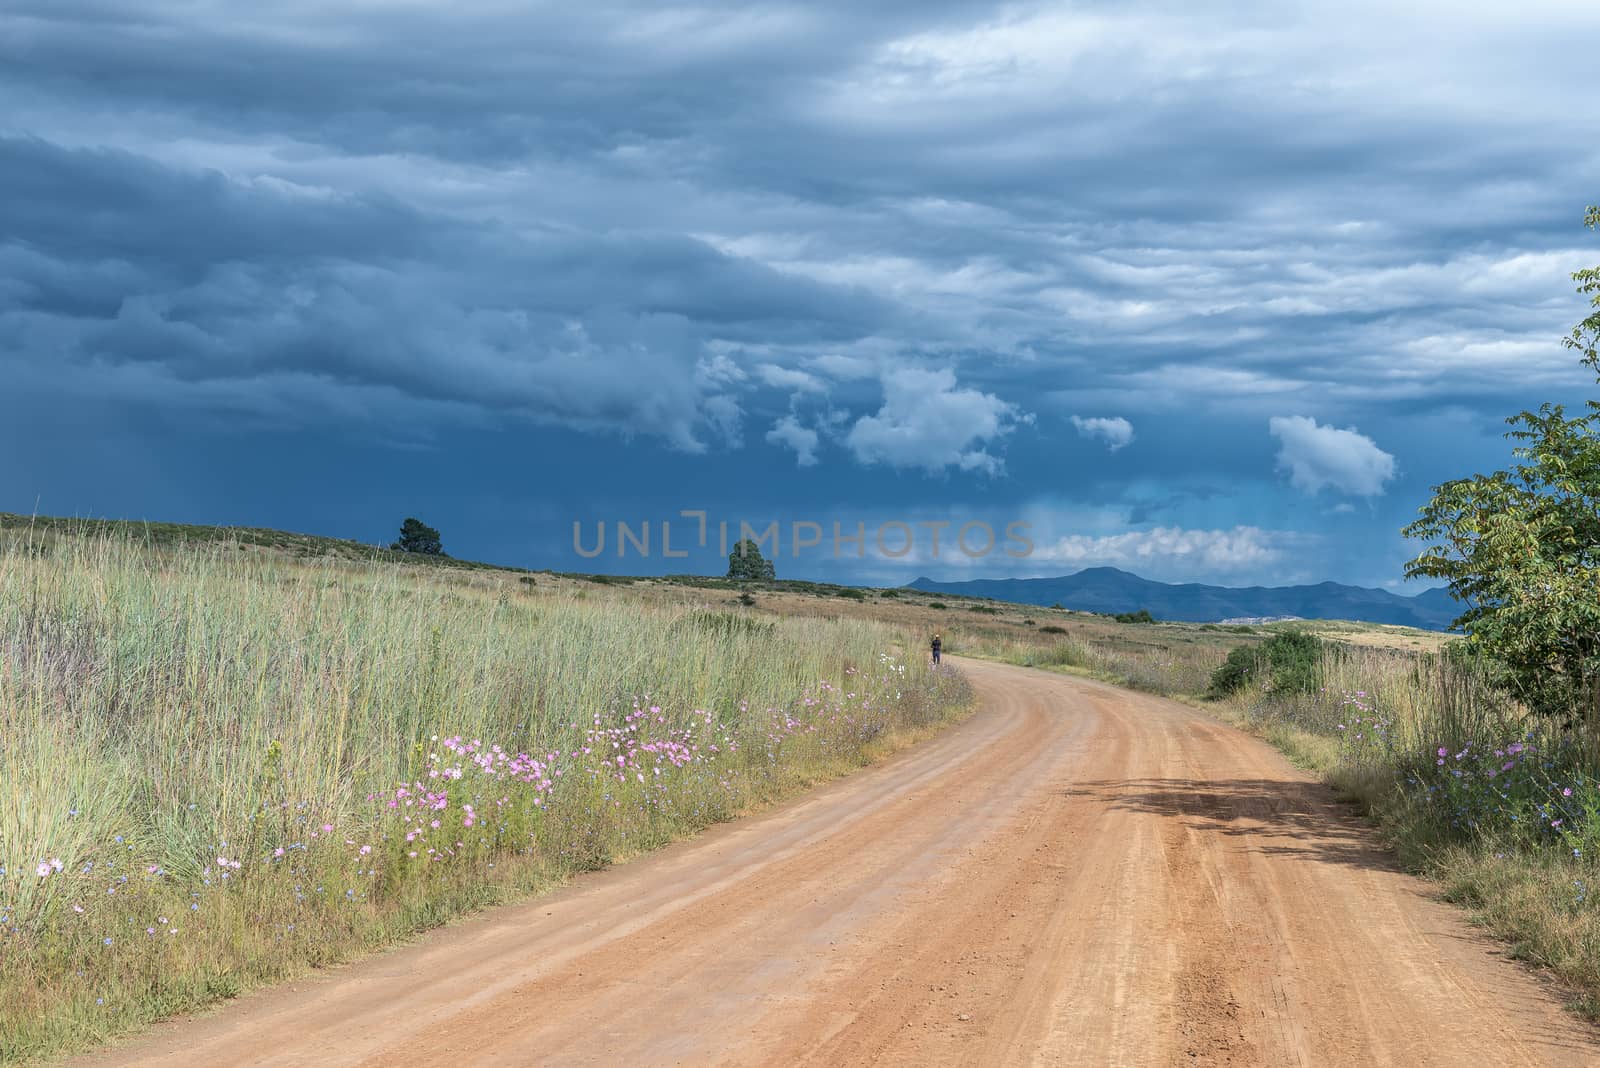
<point x="418" y="537"/>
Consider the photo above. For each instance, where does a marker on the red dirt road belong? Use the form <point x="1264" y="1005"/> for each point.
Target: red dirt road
<point x="1076" y="876"/>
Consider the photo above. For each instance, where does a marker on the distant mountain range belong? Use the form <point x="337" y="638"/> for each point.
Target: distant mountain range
<point x="1107" y="589"/>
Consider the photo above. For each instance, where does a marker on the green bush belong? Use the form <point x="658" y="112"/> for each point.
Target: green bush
<point x="1141" y="616"/>
<point x="1296" y="661"/>
<point x="938" y="604"/>
<point x="1235" y="671"/>
<point x="1288" y="662"/>
<point x="1051" y="628"/>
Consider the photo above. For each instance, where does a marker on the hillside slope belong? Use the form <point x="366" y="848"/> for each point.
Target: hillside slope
<point x="45" y="527"/>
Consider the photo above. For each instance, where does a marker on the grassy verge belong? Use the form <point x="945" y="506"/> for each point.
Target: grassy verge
<point x="1502" y="810"/>
<point x="1164" y="659"/>
<point x="218" y="771"/>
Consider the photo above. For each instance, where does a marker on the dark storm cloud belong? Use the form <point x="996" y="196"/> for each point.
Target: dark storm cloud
<point x="483" y="81"/>
<point x="97" y="205"/>
<point x="808" y="226"/>
<point x="114" y="259"/>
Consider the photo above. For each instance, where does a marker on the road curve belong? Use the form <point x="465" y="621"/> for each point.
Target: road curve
<point x="1078" y="875"/>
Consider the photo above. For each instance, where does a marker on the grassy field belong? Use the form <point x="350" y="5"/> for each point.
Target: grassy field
<point x="218" y="768"/>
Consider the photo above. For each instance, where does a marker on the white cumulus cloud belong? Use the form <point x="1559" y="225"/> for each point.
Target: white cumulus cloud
<point x="789" y="378"/>
<point x="1317" y="456"/>
<point x="1168" y="549"/>
<point x="789" y="432"/>
<point x="1114" y="431"/>
<point x="928" y="422"/>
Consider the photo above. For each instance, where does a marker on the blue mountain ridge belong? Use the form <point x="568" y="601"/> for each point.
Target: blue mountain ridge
<point x="1109" y="589"/>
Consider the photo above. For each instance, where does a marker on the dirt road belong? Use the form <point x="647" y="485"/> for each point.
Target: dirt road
<point x="1078" y="875"/>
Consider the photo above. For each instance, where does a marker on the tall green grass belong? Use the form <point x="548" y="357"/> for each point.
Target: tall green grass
<point x="198" y="755"/>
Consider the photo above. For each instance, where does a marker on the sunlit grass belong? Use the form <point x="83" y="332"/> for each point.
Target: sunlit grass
<point x="216" y="771"/>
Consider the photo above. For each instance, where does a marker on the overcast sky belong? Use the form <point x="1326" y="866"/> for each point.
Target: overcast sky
<point x="1207" y="292"/>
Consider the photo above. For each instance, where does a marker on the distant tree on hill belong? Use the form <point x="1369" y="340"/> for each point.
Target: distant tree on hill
<point x="418" y="537"/>
<point x="746" y="564"/>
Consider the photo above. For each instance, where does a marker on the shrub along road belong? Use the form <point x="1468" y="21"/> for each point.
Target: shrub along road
<point x="1076" y="875"/>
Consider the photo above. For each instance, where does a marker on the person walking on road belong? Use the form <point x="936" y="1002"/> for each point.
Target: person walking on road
<point x="936" y="646"/>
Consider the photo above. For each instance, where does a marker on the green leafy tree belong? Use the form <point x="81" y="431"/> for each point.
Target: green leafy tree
<point x="746" y="564"/>
<point x="418" y="537"/>
<point x="1521" y="548"/>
